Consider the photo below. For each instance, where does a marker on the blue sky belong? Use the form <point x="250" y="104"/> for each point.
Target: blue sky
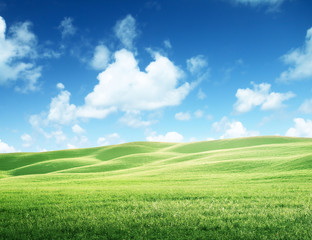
<point x="90" y="73"/>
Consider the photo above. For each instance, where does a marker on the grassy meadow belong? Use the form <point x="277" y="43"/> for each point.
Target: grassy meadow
<point x="248" y="188"/>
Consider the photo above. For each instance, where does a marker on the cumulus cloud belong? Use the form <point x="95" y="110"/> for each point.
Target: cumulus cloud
<point x="181" y="116"/>
<point x="134" y="119"/>
<point x="27" y="140"/>
<point x="77" y="129"/>
<point x="61" y="111"/>
<point x="110" y="139"/>
<point x="260" y="95"/>
<point x="300" y="61"/>
<point x="168" y="137"/>
<point x="5" y="148"/>
<point x="100" y="58"/>
<point x="125" y="31"/>
<point x="196" y="64"/>
<point x="67" y="28"/>
<point x="122" y="87"/>
<point x="306" y="106"/>
<point x="18" y="50"/>
<point x="302" y="128"/>
<point x="232" y="129"/>
<point x="125" y="87"/>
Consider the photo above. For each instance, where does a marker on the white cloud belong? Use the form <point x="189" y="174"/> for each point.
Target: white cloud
<point x="59" y="136"/>
<point x="2" y="28"/>
<point x="199" y="113"/>
<point x="124" y="86"/>
<point x="275" y="100"/>
<point x="110" y="139"/>
<point x="198" y="67"/>
<point x="83" y="140"/>
<point x="134" y="119"/>
<point x="17" y="53"/>
<point x="102" y="141"/>
<point x="254" y="3"/>
<point x="87" y="111"/>
<point x="302" y="128"/>
<point x="78" y="141"/>
<point x="201" y="95"/>
<point x="196" y="64"/>
<point x="232" y="129"/>
<point x="66" y="27"/>
<point x="300" y="61"/>
<point x="37" y="121"/>
<point x="168" y="137"/>
<point x="27" y="140"/>
<point x="60" y="86"/>
<point x="125" y="31"/>
<point x="260" y="95"/>
<point x="71" y="146"/>
<point x="210" y="139"/>
<point x="306" y="106"/>
<point x="181" y="116"/>
<point x="61" y="111"/>
<point x="167" y="44"/>
<point x="77" y="129"/>
<point x="5" y="148"/>
<point x="100" y="58"/>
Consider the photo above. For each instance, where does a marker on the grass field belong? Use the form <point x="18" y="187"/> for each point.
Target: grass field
<point x="248" y="188"/>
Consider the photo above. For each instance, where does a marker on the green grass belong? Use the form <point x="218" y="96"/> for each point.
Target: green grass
<point x="249" y="188"/>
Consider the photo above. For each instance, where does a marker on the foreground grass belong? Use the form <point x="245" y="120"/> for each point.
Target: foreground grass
<point x="250" y="191"/>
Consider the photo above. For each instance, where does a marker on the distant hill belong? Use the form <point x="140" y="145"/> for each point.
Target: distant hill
<point x="254" y="154"/>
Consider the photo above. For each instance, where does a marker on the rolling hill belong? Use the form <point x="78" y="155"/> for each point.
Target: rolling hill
<point x="246" y="188"/>
<point x="258" y="154"/>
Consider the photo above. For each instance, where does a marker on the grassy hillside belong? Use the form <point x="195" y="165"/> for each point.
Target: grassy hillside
<point x="260" y="154"/>
<point x="248" y="188"/>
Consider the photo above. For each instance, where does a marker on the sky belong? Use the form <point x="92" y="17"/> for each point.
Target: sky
<point x="76" y="74"/>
